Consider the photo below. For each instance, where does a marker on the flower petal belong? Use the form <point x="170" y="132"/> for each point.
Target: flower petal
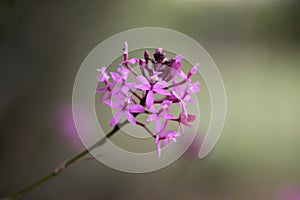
<point x="143" y="87"/>
<point x="101" y="89"/>
<point x="136" y="108"/>
<point x="161" y="84"/>
<point x="130" y="85"/>
<point x="143" y="80"/>
<point x="133" y="61"/>
<point x="104" y="97"/>
<point x="176" y="95"/>
<point x="164" y="126"/>
<point x="149" y="99"/>
<point x="115" y="76"/>
<point x="187" y="124"/>
<point x="151" y="117"/>
<point x="161" y="91"/>
<point x="157" y="125"/>
<point x="152" y="109"/>
<point x="170" y="116"/>
<point x="191" y="118"/>
<point x="192" y="101"/>
<point x="130" y="117"/>
<point x="116" y="90"/>
<point x="183" y="107"/>
<point x="116" y="118"/>
<point x="112" y="104"/>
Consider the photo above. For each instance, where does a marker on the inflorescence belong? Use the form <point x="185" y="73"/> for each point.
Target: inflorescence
<point x="161" y="77"/>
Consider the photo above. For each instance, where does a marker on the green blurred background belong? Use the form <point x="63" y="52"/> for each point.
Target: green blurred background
<point x="256" y="46"/>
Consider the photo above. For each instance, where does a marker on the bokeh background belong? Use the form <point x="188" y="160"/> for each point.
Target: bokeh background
<point x="256" y="46"/>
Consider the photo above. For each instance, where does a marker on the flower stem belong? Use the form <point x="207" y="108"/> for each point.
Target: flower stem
<point x="135" y="94"/>
<point x="146" y="128"/>
<point x="65" y="164"/>
<point x="176" y="84"/>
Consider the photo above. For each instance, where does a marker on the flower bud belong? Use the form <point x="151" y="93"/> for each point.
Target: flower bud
<point x="125" y="51"/>
<point x="175" y="63"/>
<point x="146" y="55"/>
<point x="159" y="55"/>
<point x="192" y="71"/>
<point x="142" y="62"/>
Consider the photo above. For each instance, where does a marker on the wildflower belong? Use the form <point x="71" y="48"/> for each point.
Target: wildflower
<point x="184" y="120"/>
<point x="121" y="79"/>
<point x="126" y="107"/>
<point x="160" y="76"/>
<point x="166" y="135"/>
<point x="106" y="91"/>
<point x="181" y="98"/>
<point x="154" y="84"/>
<point x="162" y="112"/>
<point x="103" y="77"/>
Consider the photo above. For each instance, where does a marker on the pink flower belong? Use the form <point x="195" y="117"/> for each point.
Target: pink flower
<point x="121" y="79"/>
<point x="106" y="91"/>
<point x="166" y="135"/>
<point x="121" y="76"/>
<point x="183" y="120"/>
<point x="152" y="85"/>
<point x="163" y="112"/>
<point x="181" y="97"/>
<point x="126" y="107"/>
<point x="103" y="77"/>
<point x="183" y="94"/>
<point x="161" y="82"/>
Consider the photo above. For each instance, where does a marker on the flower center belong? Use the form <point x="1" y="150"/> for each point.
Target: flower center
<point x="127" y="102"/>
<point x="154" y="78"/>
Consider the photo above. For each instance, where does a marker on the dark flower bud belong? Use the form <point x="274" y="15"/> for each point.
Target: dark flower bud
<point x="159" y="55"/>
<point x="175" y="63"/>
<point x="146" y="55"/>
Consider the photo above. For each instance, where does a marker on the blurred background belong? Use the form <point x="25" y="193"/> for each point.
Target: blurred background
<point x="256" y="46"/>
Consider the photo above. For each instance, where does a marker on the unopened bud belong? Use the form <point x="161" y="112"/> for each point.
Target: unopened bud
<point x="146" y="55"/>
<point x="159" y="55"/>
<point x="192" y="71"/>
<point x="142" y="62"/>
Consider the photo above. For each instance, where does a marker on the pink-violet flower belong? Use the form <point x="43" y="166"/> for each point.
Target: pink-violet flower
<point x="126" y="107"/>
<point x="161" y="113"/>
<point x="103" y="77"/>
<point x="120" y="79"/>
<point x="165" y="135"/>
<point x="153" y="84"/>
<point x="106" y="91"/>
<point x="184" y="120"/>
<point x="160" y="85"/>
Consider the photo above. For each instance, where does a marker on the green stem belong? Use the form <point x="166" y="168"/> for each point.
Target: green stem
<point x="65" y="164"/>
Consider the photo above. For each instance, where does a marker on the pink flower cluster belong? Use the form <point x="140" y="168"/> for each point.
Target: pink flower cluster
<point x="159" y="76"/>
